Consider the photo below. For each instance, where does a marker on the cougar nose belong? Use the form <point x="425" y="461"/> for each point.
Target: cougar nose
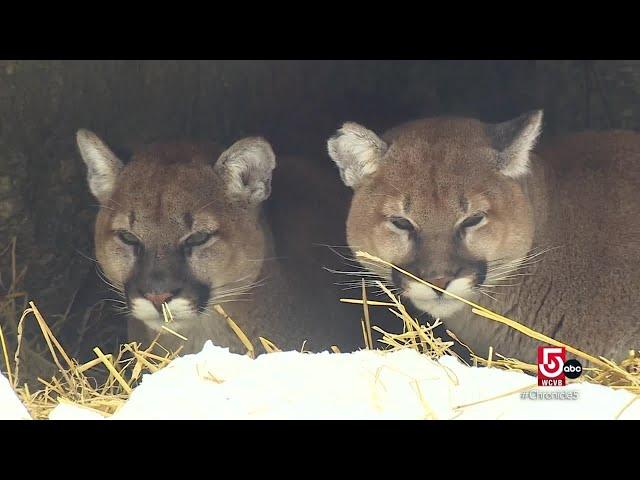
<point x="442" y="283"/>
<point x="158" y="298"/>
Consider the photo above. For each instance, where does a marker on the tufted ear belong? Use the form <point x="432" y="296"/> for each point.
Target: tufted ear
<point x="103" y="167"/>
<point x="513" y="140"/>
<point x="247" y="167"/>
<point x="357" y="151"/>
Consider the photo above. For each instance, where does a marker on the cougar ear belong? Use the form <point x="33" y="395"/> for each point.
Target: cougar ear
<point x="247" y="167"/>
<point x="513" y="140"/>
<point x="356" y="151"/>
<point x="103" y="167"/>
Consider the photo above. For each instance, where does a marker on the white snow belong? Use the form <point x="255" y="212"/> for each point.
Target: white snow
<point x="216" y="384"/>
<point x="72" y="411"/>
<point x="11" y="407"/>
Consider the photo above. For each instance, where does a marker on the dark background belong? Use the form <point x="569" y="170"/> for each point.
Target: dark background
<point x="44" y="200"/>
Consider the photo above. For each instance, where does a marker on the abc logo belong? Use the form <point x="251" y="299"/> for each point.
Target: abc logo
<point x="572" y="369"/>
<point x="554" y="369"/>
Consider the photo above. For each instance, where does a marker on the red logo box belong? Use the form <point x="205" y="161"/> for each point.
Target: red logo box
<point x="551" y="366"/>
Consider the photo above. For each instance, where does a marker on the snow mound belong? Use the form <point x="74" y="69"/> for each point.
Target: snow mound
<point x="216" y="384"/>
<point x="11" y="407"/>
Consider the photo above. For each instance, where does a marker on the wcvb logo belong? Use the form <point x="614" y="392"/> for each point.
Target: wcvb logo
<point x="550" y="363"/>
<point x="553" y="367"/>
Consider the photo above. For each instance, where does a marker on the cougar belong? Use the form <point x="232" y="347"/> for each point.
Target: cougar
<point x="549" y="238"/>
<point x="186" y="226"/>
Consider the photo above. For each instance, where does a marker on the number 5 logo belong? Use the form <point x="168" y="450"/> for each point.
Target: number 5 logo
<point x="550" y="366"/>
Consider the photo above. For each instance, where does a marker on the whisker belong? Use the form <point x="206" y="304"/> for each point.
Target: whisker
<point x="114" y="300"/>
<point x="511" y="275"/>
<point x="355" y="274"/>
<point x="485" y="285"/>
<point x="266" y="259"/>
<point x="205" y="205"/>
<point x="333" y="246"/>
<point x="534" y="253"/>
<point x="486" y="294"/>
<point x="85" y="256"/>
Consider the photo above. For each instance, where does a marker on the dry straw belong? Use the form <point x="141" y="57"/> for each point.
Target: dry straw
<point x="74" y="383"/>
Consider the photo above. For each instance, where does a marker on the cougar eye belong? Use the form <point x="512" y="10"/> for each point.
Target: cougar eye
<point x="402" y="223"/>
<point x="197" y="239"/>
<point x="473" y="220"/>
<point x="128" y="238"/>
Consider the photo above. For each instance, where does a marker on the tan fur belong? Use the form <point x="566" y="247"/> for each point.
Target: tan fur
<point x="166" y="186"/>
<point x="580" y="197"/>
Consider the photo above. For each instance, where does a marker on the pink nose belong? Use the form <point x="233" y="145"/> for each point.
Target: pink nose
<point x="158" y="298"/>
<point x="441" y="282"/>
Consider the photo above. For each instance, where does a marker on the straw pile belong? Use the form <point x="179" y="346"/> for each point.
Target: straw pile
<point x="625" y="375"/>
<point x="74" y="382"/>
